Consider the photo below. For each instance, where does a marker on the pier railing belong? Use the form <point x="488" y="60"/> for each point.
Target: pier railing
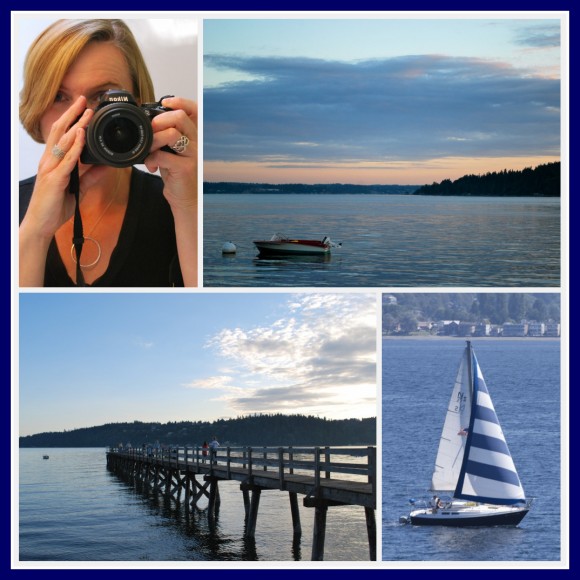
<point x="322" y="463"/>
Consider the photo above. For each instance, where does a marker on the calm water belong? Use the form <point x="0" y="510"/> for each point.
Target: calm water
<point x="388" y="240"/>
<point x="523" y="377"/>
<point x="73" y="509"/>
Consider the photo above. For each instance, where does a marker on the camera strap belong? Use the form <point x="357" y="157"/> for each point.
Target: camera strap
<point x="78" y="236"/>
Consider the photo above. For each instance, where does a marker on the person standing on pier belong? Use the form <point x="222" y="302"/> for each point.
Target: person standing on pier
<point x="213" y="446"/>
<point x="204" y="449"/>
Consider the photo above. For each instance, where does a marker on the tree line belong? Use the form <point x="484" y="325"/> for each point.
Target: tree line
<point x="496" y="308"/>
<point x="316" y="188"/>
<point x="253" y="430"/>
<point x="544" y="180"/>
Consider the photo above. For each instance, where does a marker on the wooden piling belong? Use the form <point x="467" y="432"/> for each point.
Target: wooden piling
<point x="250" y="531"/>
<point x="246" y="498"/>
<point x="213" y="494"/>
<point x="319" y="534"/>
<point x="295" y="511"/>
<point x="173" y="473"/>
<point x="371" y="533"/>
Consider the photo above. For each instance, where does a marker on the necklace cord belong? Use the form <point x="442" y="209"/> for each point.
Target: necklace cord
<point x="78" y="236"/>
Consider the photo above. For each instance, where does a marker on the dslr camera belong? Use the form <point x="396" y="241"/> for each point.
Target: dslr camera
<point x="120" y="133"/>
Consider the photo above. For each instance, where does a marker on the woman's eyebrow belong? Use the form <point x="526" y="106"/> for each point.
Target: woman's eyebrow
<point x="96" y="88"/>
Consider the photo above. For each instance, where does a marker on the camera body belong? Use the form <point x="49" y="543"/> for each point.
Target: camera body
<point x="120" y="133"/>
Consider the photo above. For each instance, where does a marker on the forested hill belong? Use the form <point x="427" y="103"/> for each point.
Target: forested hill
<point x="408" y="308"/>
<point x="255" y="430"/>
<point x="319" y="188"/>
<point x="544" y="181"/>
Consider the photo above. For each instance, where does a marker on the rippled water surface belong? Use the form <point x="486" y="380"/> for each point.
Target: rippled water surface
<point x="523" y="378"/>
<point x="73" y="509"/>
<point x="387" y="240"/>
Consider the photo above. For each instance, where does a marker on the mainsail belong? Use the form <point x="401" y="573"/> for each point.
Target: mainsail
<point x="488" y="473"/>
<point x="453" y="437"/>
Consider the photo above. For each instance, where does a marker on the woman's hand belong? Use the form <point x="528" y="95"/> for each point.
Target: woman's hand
<point x="179" y="173"/>
<point x="178" y="170"/>
<point x="50" y="205"/>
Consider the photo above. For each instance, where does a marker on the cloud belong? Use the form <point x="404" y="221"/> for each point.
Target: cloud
<point x="540" y="36"/>
<point x="218" y="383"/>
<point x="411" y="108"/>
<point x="320" y="357"/>
<point x="144" y="344"/>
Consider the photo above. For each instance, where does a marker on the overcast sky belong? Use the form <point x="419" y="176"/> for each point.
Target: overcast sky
<point x="92" y="359"/>
<point x="379" y="101"/>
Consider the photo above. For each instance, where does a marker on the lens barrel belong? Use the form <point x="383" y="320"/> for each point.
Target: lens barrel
<point x="119" y="135"/>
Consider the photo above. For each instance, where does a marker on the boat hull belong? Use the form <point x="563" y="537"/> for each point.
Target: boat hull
<point x="294" y="248"/>
<point x="488" y="516"/>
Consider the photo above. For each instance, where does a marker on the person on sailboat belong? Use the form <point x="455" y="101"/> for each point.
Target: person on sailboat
<point x="436" y="503"/>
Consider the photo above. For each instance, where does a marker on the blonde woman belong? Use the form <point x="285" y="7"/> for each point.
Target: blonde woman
<point x="139" y="229"/>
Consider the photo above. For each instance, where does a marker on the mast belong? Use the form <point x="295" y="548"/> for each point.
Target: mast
<point x="472" y="405"/>
<point x="469" y="367"/>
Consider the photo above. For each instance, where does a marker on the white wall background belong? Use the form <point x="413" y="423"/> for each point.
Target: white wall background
<point x="169" y="46"/>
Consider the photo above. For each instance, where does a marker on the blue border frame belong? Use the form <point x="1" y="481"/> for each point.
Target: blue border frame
<point x="254" y="5"/>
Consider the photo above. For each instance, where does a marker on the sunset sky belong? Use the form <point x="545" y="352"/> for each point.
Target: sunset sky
<point x="92" y="359"/>
<point x="389" y="100"/>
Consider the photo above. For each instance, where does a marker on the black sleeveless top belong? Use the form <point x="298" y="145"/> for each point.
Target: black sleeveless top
<point x="146" y="251"/>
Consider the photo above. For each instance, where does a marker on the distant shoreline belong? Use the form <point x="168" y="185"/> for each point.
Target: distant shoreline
<point x="281" y="193"/>
<point x="472" y="338"/>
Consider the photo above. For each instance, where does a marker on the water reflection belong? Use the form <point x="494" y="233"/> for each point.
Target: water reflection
<point x="389" y="240"/>
<point x="298" y="259"/>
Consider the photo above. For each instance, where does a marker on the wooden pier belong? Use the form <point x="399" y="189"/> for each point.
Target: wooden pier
<point x="325" y="476"/>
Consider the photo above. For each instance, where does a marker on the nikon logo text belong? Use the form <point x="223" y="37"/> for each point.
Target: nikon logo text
<point x="119" y="99"/>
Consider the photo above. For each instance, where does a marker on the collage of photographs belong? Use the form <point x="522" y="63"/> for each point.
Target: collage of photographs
<point x="291" y="291"/>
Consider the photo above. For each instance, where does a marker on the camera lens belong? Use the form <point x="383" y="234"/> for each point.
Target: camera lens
<point x="119" y="135"/>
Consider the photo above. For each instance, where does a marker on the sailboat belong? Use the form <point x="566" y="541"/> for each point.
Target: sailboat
<point x="474" y="480"/>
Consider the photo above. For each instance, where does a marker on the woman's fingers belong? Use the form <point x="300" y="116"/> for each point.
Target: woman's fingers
<point x="180" y="142"/>
<point x="65" y="122"/>
<point x="63" y="139"/>
<point x="71" y="158"/>
<point x="179" y="103"/>
<point x="176" y="129"/>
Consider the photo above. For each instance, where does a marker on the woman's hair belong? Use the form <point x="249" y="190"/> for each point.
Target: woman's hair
<point x="55" y="50"/>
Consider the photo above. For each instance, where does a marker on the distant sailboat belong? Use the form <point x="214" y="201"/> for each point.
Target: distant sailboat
<point x="473" y="462"/>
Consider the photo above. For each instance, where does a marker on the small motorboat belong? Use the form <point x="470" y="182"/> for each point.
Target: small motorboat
<point x="280" y="245"/>
<point x="45" y="457"/>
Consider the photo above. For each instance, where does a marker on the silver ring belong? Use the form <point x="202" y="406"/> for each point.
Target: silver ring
<point x="181" y="144"/>
<point x="58" y="152"/>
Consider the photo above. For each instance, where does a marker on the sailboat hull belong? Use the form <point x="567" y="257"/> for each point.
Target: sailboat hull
<point x="474" y="516"/>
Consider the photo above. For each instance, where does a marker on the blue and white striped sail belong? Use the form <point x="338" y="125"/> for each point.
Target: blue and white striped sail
<point x="488" y="473"/>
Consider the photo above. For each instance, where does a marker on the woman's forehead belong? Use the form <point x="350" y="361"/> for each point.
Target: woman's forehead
<point x="99" y="64"/>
